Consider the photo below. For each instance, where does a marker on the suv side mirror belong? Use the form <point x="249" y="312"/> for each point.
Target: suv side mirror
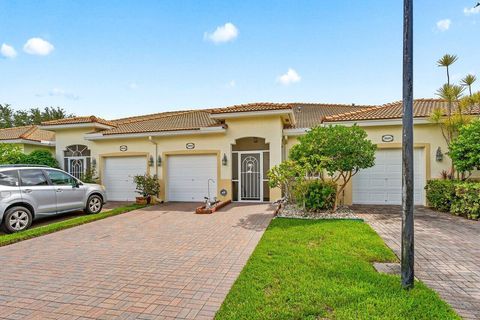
<point x="75" y="184"/>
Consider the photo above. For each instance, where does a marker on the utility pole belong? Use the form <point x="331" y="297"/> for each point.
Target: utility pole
<point x="407" y="264"/>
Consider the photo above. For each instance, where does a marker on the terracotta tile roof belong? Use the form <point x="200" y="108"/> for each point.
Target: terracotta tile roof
<point x="308" y="115"/>
<point x="249" y="107"/>
<point x="148" y="117"/>
<point x="32" y="133"/>
<point x="190" y="120"/>
<point x="422" y="108"/>
<point x="77" y="120"/>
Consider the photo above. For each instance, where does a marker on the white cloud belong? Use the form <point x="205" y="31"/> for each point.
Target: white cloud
<point x="444" y="25"/>
<point x="38" y="46"/>
<point x="290" y="77"/>
<point x="231" y="84"/>
<point x="470" y="11"/>
<point x="57" y="92"/>
<point x="133" y="85"/>
<point x="227" y="32"/>
<point x="8" y="51"/>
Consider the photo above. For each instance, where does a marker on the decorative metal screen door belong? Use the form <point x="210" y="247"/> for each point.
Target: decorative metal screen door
<point x="250" y="177"/>
<point x="76" y="166"/>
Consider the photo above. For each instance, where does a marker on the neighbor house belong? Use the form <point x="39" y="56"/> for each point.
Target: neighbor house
<point x="227" y="152"/>
<point x="29" y="138"/>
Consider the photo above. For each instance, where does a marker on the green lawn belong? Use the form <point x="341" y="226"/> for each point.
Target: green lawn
<point x="304" y="269"/>
<point x="56" y="226"/>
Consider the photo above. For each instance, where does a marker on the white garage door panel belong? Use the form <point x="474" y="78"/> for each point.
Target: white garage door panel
<point x="188" y="177"/>
<point x="118" y="177"/>
<point x="382" y="184"/>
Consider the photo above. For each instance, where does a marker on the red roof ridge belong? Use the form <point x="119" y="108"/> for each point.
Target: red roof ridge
<point x="27" y="133"/>
<point x="355" y="112"/>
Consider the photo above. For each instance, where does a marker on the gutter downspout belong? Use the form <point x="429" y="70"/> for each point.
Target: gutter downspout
<point x="156" y="154"/>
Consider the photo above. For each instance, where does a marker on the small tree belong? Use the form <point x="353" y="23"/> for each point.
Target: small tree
<point x="285" y="176"/>
<point x="340" y="151"/>
<point x="147" y="186"/>
<point x="465" y="149"/>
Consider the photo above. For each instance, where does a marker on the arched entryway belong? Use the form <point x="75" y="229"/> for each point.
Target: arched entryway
<point x="77" y="160"/>
<point x="250" y="165"/>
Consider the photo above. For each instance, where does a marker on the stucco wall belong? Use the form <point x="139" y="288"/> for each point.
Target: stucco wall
<point x="269" y="128"/>
<point x="27" y="148"/>
<point x="427" y="136"/>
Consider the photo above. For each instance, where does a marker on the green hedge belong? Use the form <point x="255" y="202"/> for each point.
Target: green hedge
<point x="461" y="198"/>
<point x="440" y="194"/>
<point x="467" y="200"/>
<point x="316" y="195"/>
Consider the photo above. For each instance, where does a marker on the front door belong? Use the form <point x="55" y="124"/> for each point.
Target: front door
<point x="251" y="176"/>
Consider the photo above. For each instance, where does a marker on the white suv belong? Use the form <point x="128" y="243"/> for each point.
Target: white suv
<point x="28" y="192"/>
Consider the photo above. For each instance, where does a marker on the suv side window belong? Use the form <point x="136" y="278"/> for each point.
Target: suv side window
<point x="33" y="177"/>
<point x="59" y="178"/>
<point x="9" y="178"/>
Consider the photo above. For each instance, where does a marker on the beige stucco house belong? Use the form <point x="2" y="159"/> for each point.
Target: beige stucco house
<point x="227" y="152"/>
<point x="29" y="138"/>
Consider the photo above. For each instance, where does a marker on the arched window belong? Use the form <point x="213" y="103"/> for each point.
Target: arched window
<point x="77" y="160"/>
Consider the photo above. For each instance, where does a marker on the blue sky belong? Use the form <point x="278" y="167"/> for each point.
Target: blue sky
<point x="120" y="58"/>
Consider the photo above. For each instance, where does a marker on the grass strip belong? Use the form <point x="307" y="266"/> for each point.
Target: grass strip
<point x="322" y="269"/>
<point x="61" y="225"/>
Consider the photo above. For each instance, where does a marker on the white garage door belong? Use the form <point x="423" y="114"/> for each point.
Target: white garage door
<point x="188" y="177"/>
<point x="118" y="177"/>
<point x="382" y="184"/>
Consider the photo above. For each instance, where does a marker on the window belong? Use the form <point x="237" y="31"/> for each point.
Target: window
<point x="59" y="178"/>
<point x="9" y="178"/>
<point x="33" y="177"/>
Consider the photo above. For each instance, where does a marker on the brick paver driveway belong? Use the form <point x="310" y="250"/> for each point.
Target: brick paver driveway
<point x="158" y="263"/>
<point x="447" y="252"/>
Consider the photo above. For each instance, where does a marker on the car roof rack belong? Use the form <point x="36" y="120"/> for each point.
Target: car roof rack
<point x="23" y="165"/>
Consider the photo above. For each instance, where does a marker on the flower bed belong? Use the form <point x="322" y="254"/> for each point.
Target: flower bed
<point x="293" y="211"/>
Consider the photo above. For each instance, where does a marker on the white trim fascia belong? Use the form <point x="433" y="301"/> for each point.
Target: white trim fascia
<point x="373" y="123"/>
<point x="25" y="141"/>
<point x="76" y="125"/>
<point x="229" y="115"/>
<point x="295" y="132"/>
<point x="100" y="136"/>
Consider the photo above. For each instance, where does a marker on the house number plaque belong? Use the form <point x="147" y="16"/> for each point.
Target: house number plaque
<point x="387" y="138"/>
<point x="190" y="145"/>
<point x="123" y="148"/>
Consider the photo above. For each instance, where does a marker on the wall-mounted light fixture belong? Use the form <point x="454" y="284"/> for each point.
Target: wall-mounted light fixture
<point x="150" y="161"/>
<point x="159" y="161"/>
<point x="439" y="154"/>
<point x="224" y="159"/>
<point x="94" y="162"/>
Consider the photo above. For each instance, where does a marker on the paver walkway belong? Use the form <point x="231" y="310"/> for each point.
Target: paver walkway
<point x="157" y="263"/>
<point x="447" y="252"/>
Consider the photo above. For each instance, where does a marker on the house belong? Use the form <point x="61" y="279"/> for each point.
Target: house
<point x="29" y="138"/>
<point x="227" y="152"/>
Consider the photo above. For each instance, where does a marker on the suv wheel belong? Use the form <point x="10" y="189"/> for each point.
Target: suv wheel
<point x="17" y="219"/>
<point x="94" y="204"/>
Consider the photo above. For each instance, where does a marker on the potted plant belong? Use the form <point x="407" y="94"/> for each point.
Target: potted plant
<point x="147" y="186"/>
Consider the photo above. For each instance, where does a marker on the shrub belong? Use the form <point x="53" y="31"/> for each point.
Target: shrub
<point x="147" y="185"/>
<point x="440" y="194"/>
<point x="316" y="195"/>
<point x="467" y="200"/>
<point x="41" y="157"/>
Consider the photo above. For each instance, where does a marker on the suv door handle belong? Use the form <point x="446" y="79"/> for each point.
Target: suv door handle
<point x="59" y="190"/>
<point x="27" y="190"/>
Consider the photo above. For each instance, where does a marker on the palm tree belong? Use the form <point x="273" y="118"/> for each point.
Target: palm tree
<point x="468" y="81"/>
<point x="446" y="61"/>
